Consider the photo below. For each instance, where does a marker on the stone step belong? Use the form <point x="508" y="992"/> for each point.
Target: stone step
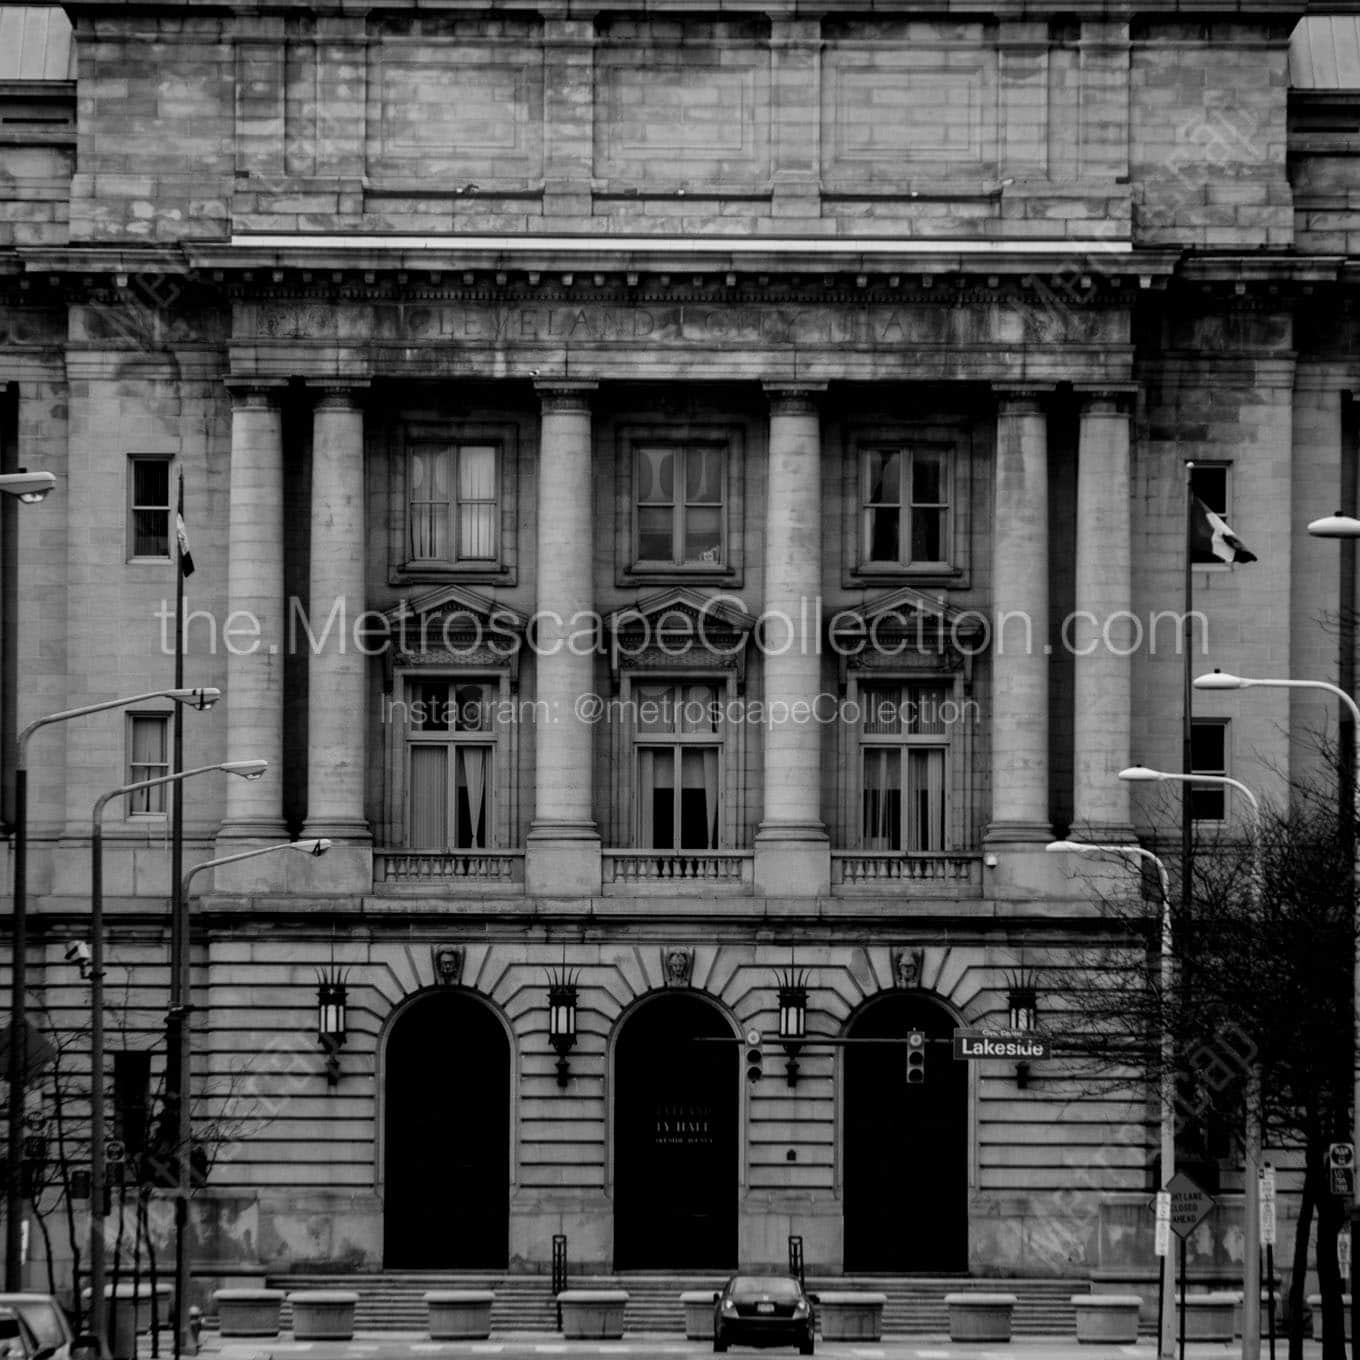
<point x="393" y="1300"/>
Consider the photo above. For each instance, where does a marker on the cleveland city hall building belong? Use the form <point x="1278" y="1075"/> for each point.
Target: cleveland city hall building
<point x="610" y="438"/>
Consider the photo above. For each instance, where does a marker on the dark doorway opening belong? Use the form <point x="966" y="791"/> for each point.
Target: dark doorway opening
<point x="675" y="1138"/>
<point x="446" y="1131"/>
<point x="906" y="1146"/>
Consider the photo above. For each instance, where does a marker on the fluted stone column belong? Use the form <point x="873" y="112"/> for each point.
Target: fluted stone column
<point x="792" y="850"/>
<point x="337" y="723"/>
<point x="252" y="634"/>
<point x="1102" y="633"/>
<point x="1020" y="645"/>
<point x="562" y="856"/>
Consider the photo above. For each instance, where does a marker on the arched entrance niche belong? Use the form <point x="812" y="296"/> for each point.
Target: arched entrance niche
<point x="905" y="1148"/>
<point x="677" y="1107"/>
<point x="446" y="1136"/>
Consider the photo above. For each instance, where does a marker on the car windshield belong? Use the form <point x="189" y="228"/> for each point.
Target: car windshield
<point x="43" y="1317"/>
<point x="775" y="1286"/>
<point x="11" y="1337"/>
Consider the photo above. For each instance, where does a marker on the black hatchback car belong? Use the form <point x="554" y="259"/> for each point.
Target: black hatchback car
<point x="763" y="1310"/>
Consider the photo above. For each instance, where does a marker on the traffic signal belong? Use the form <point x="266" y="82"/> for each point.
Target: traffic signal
<point x="755" y="1059"/>
<point x="916" y="1057"/>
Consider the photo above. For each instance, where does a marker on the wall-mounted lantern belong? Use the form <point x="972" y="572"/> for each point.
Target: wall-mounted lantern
<point x="330" y="1020"/>
<point x="793" y="1000"/>
<point x="1023" y="1004"/>
<point x="562" y="996"/>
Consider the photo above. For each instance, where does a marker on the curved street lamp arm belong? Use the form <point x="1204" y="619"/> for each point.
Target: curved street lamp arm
<point x="247" y="769"/>
<point x="203" y="696"/>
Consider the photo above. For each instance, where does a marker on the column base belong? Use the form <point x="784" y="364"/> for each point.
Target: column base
<point x="792" y="859"/>
<point x="281" y="872"/>
<point x="562" y="859"/>
<point x="1103" y="833"/>
<point x="1017" y="863"/>
<point x="347" y="867"/>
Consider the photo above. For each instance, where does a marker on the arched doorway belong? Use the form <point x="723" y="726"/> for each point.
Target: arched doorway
<point x="676" y="1107"/>
<point x="905" y="1147"/>
<point x="446" y="1136"/>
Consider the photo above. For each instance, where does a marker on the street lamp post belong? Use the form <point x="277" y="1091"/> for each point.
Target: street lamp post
<point x="200" y="698"/>
<point x="245" y="769"/>
<point x="1251" y="1201"/>
<point x="1328" y="528"/>
<point x="1166" y="1343"/>
<point x="184" y="1134"/>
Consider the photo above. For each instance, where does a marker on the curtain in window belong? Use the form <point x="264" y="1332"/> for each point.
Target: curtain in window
<point x="925" y="794"/>
<point x="429" y="798"/>
<point x="148" y="762"/>
<point x="428" y="496"/>
<point x="656" y="797"/>
<point x="472" y="785"/>
<point x="882" y="799"/>
<point x="477" y="501"/>
<point x="699" y="777"/>
<point x="698" y="712"/>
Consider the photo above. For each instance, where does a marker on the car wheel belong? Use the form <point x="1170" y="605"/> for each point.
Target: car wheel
<point x="719" y="1340"/>
<point x="806" y="1345"/>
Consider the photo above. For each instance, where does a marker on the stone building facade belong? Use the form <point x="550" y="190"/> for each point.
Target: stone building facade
<point x="611" y="442"/>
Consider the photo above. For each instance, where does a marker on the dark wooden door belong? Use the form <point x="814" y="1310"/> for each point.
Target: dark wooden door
<point x="675" y="1131"/>
<point x="906" y="1147"/>
<point x="447" y="1137"/>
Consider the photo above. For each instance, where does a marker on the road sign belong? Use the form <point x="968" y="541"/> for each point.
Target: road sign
<point x="1267" y="1187"/>
<point x="991" y="1043"/>
<point x="1189" y="1204"/>
<point x="114" y="1151"/>
<point x="1342" y="1179"/>
<point x="1162" y="1207"/>
<point x="1342" y="1155"/>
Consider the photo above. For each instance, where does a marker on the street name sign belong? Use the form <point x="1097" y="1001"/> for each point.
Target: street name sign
<point x="1162" y="1208"/>
<point x="1189" y="1204"/>
<point x="1267" y="1184"/>
<point x="993" y="1043"/>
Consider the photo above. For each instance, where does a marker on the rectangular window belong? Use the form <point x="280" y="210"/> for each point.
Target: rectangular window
<point x="148" y="736"/>
<point x="680" y="505"/>
<point x="1209" y="482"/>
<point x="148" y="506"/>
<point x="453" y="504"/>
<point x="450" y="750"/>
<point x="1208" y="755"/>
<point x="905" y="499"/>
<point x="678" y="766"/>
<point x="904" y="765"/>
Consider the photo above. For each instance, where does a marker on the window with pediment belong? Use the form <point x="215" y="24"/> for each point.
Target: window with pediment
<point x="678" y="667"/>
<point x="908" y="786"/>
<point x="451" y="668"/>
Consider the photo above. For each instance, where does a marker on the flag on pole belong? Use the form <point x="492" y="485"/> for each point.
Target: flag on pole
<point x="1213" y="536"/>
<point x="186" y="558"/>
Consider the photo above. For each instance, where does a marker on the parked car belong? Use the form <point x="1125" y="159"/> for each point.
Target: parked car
<point x="46" y="1320"/>
<point x="763" y="1310"/>
<point x="17" y="1339"/>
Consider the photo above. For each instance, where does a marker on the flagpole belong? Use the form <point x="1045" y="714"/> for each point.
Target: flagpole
<point x="176" y="1023"/>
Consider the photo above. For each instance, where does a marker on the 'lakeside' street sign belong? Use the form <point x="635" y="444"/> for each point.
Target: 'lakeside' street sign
<point x="985" y="1043"/>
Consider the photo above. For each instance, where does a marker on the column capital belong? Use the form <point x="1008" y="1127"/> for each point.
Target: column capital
<point x="1106" y="398"/>
<point x="562" y="394"/>
<point x="1022" y="398"/>
<point x="254" y="392"/>
<point x="337" y="394"/>
<point x="794" y="398"/>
